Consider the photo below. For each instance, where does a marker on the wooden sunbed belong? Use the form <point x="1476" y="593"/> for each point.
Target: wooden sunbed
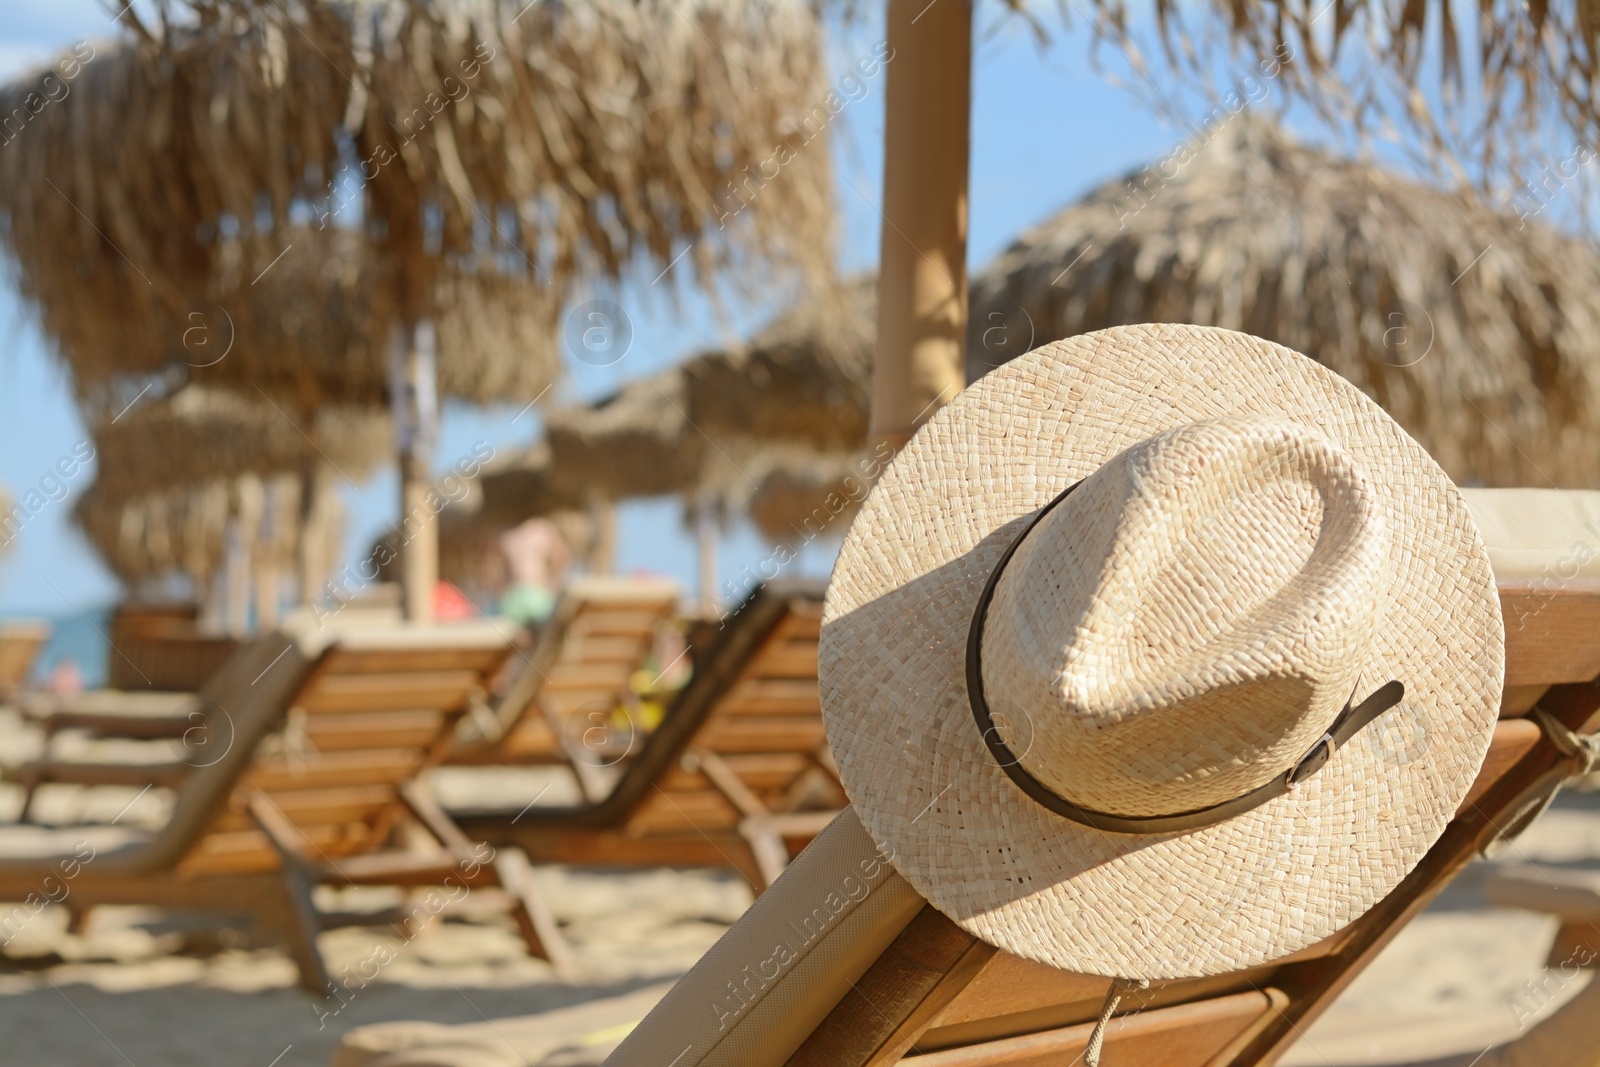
<point x="738" y="774"/>
<point x="141" y="709"/>
<point x="841" y="963"/>
<point x="161" y="647"/>
<point x="20" y="643"/>
<point x="307" y="774"/>
<point x="568" y="690"/>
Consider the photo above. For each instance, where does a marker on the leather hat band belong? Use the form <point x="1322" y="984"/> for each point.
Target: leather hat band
<point x="1350" y="722"/>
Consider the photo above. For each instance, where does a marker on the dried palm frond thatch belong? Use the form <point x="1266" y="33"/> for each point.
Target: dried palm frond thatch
<point x="147" y="537"/>
<point x="467" y="142"/>
<point x="200" y="435"/>
<point x="1476" y="330"/>
<point x="520" y="487"/>
<point x="805" y="378"/>
<point x="637" y="441"/>
<point x="1492" y="90"/>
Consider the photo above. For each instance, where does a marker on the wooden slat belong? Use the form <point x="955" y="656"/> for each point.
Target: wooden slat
<point x="1010" y="984"/>
<point x="335" y="805"/>
<point x="1551" y="630"/>
<point x="788" y="659"/>
<point x="764" y="733"/>
<point x="391" y="729"/>
<point x="616" y="623"/>
<point x="803" y="620"/>
<point x="775" y="696"/>
<point x="389" y="691"/>
<point x="321" y="769"/>
<point x="599" y="648"/>
<point x="677" y="812"/>
<point x="243" y="851"/>
<point x="607" y="676"/>
<point x="563" y="702"/>
<point x="348" y="661"/>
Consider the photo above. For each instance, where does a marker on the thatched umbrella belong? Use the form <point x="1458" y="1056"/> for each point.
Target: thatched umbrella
<point x="805" y="378"/>
<point x="1527" y="85"/>
<point x="200" y="434"/>
<point x="637" y="441"/>
<point x="148" y="537"/>
<point x="542" y="147"/>
<point x="1473" y="328"/>
<point x="546" y="147"/>
<point x="164" y="466"/>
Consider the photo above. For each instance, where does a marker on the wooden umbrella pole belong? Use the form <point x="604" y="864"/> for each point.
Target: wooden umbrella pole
<point x="922" y="276"/>
<point x="414" y="395"/>
<point x="706" y="539"/>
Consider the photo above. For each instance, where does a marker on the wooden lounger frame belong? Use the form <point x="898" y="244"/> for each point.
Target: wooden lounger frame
<point x="315" y="783"/>
<point x="20" y="643"/>
<point x="583" y="661"/>
<point x="938" y="997"/>
<point x="737" y="775"/>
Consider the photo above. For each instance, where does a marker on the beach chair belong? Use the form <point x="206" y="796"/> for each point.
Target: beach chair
<point x="156" y="714"/>
<point x="20" y="643"/>
<point x="162" y="647"/>
<point x="841" y="962"/>
<point x="575" y="680"/>
<point x="135" y="707"/>
<point x="307" y="774"/>
<point x="738" y="774"/>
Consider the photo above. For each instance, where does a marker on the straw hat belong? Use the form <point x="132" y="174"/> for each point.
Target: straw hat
<point x="1161" y="651"/>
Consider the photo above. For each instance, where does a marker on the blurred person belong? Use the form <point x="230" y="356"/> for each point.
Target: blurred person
<point x="65" y="680"/>
<point x="536" y="560"/>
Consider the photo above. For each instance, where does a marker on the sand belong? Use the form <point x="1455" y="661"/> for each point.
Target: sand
<point x="145" y="988"/>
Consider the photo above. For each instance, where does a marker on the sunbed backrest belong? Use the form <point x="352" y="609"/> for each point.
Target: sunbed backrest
<point x="603" y="630"/>
<point x="760" y="990"/>
<point x="375" y="709"/>
<point x="762" y="749"/>
<point x="240" y="704"/>
<point x="753" y="698"/>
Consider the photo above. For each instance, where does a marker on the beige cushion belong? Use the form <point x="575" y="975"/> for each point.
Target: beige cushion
<point x="1546" y="534"/>
<point x="753" y="998"/>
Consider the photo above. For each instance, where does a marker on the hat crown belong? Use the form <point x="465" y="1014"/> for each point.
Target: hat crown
<point x="1190" y="620"/>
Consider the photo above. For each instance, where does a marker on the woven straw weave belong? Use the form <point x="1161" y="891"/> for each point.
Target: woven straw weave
<point x="1222" y="591"/>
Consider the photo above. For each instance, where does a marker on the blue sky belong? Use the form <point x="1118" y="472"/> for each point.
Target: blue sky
<point x="1046" y="128"/>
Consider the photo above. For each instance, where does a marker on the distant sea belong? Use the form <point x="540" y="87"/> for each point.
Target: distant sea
<point x="78" y="638"/>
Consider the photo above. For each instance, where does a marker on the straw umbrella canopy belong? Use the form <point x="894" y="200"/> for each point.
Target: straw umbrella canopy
<point x="805" y="378"/>
<point x="311" y="332"/>
<point x="637" y="441"/>
<point x="569" y="143"/>
<point x="179" y="476"/>
<point x="149" y="536"/>
<point x="200" y="435"/>
<point x="1473" y="328"/>
<point x="1513" y="82"/>
<point x="540" y="149"/>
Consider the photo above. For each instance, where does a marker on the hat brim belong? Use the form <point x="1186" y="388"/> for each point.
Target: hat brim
<point x="1237" y="894"/>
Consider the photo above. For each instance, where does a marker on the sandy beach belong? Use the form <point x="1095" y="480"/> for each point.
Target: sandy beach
<point x="138" y="986"/>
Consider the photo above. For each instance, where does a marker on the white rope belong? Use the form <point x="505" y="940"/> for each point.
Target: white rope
<point x="1119" y="986"/>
